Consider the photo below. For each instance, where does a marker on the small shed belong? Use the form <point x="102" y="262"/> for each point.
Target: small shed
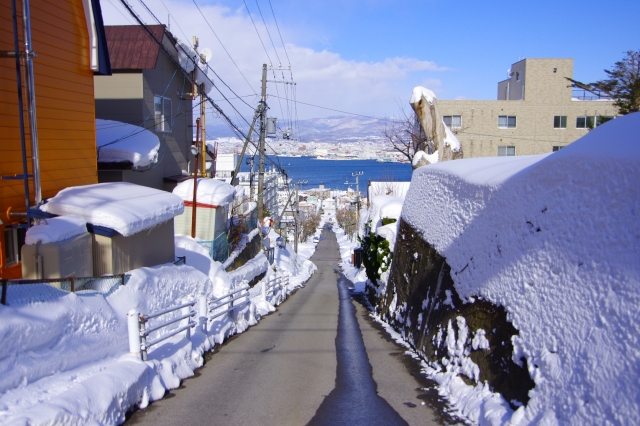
<point x="213" y="199"/>
<point x="57" y="247"/>
<point x="131" y="226"/>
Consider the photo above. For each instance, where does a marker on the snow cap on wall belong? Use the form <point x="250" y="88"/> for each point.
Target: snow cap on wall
<point x="55" y="229"/>
<point x="122" y="206"/>
<point x="119" y="142"/>
<point x="212" y="192"/>
<point x="419" y="92"/>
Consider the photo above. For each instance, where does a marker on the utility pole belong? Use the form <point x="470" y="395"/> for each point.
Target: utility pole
<point x="295" y="240"/>
<point x="263" y="113"/>
<point x="357" y="174"/>
<point x="297" y="214"/>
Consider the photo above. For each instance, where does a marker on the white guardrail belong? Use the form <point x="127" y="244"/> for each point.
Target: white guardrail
<point x="205" y="310"/>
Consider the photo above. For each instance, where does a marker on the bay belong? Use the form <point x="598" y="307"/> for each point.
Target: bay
<point x="334" y="173"/>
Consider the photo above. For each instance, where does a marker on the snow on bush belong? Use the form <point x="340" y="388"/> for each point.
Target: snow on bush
<point x="555" y="240"/>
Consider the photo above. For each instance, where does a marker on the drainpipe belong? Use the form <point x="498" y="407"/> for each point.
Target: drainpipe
<point x="25" y="168"/>
<point x="29" y="55"/>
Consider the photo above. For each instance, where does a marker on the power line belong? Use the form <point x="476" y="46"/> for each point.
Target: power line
<point x="344" y="112"/>
<point x="256" y="28"/>
<point x="283" y="46"/>
<point x="225" y="49"/>
<point x="268" y="33"/>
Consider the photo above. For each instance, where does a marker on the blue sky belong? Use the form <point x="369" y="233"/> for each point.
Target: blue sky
<point x="365" y="56"/>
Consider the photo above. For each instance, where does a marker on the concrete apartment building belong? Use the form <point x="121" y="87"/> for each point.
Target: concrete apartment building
<point x="536" y="111"/>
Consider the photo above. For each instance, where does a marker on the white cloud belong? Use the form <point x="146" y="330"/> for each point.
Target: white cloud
<point x="322" y="77"/>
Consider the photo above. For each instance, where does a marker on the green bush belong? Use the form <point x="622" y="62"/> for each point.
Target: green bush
<point x="387" y="220"/>
<point x="376" y="256"/>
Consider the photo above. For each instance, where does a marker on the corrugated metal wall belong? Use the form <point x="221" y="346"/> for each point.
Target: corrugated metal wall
<point x="64" y="101"/>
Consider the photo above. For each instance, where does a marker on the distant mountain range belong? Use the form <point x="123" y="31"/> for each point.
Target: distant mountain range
<point x="329" y="129"/>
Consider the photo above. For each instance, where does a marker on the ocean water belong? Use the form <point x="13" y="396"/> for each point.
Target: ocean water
<point x="335" y="173"/>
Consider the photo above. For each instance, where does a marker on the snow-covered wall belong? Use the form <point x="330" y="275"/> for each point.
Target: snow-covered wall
<point x="554" y="240"/>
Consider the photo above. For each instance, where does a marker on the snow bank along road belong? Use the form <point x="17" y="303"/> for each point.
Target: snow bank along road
<point x="286" y="370"/>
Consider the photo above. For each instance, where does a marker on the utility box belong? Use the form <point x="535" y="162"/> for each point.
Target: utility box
<point x="70" y="257"/>
<point x="357" y="257"/>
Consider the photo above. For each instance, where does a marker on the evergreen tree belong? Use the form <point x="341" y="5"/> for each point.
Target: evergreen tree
<point x="623" y="84"/>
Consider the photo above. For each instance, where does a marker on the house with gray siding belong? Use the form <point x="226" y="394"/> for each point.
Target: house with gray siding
<point x="147" y="89"/>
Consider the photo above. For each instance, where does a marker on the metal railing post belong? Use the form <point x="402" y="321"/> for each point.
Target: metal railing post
<point x="186" y="310"/>
<point x="202" y="312"/>
<point x="133" y="323"/>
<point x="143" y="337"/>
<point x="264" y="290"/>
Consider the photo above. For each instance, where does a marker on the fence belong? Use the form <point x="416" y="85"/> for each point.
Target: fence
<point x="139" y="332"/>
<point x="206" y="311"/>
<point x="218" y="247"/>
<point x="275" y="282"/>
<point x="48" y="288"/>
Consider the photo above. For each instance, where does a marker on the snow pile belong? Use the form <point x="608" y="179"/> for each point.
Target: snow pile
<point x="431" y="158"/>
<point x="212" y="192"/>
<point x="55" y="229"/>
<point x="123" y="206"/>
<point x="384" y="206"/>
<point x="68" y="360"/>
<point x="419" y="92"/>
<point x="397" y="189"/>
<point x="198" y="256"/>
<point x="554" y="240"/>
<point x="451" y="140"/>
<point x="119" y="142"/>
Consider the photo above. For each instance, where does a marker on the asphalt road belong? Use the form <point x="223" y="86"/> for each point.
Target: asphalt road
<point x="317" y="360"/>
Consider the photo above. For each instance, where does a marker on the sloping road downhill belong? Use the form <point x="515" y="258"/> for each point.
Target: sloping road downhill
<point x="310" y="362"/>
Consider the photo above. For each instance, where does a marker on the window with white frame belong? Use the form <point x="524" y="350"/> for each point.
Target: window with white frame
<point x="506" y="151"/>
<point x="560" y="122"/>
<point x="162" y="113"/>
<point x="452" y="121"/>
<point x="506" y="121"/>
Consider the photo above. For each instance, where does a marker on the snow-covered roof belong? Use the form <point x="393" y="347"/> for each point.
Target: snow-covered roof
<point x="212" y="192"/>
<point x="122" y="206"/>
<point x="554" y="239"/>
<point x="120" y="142"/>
<point x="56" y="229"/>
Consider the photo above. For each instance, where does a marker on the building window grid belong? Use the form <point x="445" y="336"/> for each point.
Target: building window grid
<point x="506" y="151"/>
<point x="452" y="121"/>
<point x="560" y="122"/>
<point x="506" y="121"/>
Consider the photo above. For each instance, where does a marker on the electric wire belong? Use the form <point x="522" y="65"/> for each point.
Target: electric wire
<point x="257" y="32"/>
<point x="225" y="49"/>
<point x="268" y="33"/>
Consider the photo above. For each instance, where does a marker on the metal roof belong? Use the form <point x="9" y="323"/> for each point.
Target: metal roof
<point x="131" y="47"/>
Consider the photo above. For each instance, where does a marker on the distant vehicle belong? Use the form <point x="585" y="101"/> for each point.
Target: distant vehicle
<point x="316" y="240"/>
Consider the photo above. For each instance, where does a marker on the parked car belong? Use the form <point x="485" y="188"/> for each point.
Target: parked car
<point x="316" y="239"/>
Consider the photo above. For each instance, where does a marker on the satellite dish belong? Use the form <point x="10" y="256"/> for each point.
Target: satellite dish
<point x="206" y="54"/>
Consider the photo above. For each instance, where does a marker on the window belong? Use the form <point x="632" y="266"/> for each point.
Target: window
<point x="452" y="121"/>
<point x="13" y="242"/>
<point x="506" y="151"/>
<point x="586" y="122"/>
<point x="506" y="121"/>
<point x="517" y="76"/>
<point x="558" y="148"/>
<point x="560" y="122"/>
<point x="162" y="113"/>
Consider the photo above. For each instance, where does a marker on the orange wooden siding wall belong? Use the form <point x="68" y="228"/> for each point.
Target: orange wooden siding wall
<point x="64" y="104"/>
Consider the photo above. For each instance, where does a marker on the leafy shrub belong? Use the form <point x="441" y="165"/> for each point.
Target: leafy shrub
<point x="388" y="220"/>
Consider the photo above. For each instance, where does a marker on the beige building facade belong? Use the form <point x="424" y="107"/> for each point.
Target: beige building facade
<point x="536" y="112"/>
